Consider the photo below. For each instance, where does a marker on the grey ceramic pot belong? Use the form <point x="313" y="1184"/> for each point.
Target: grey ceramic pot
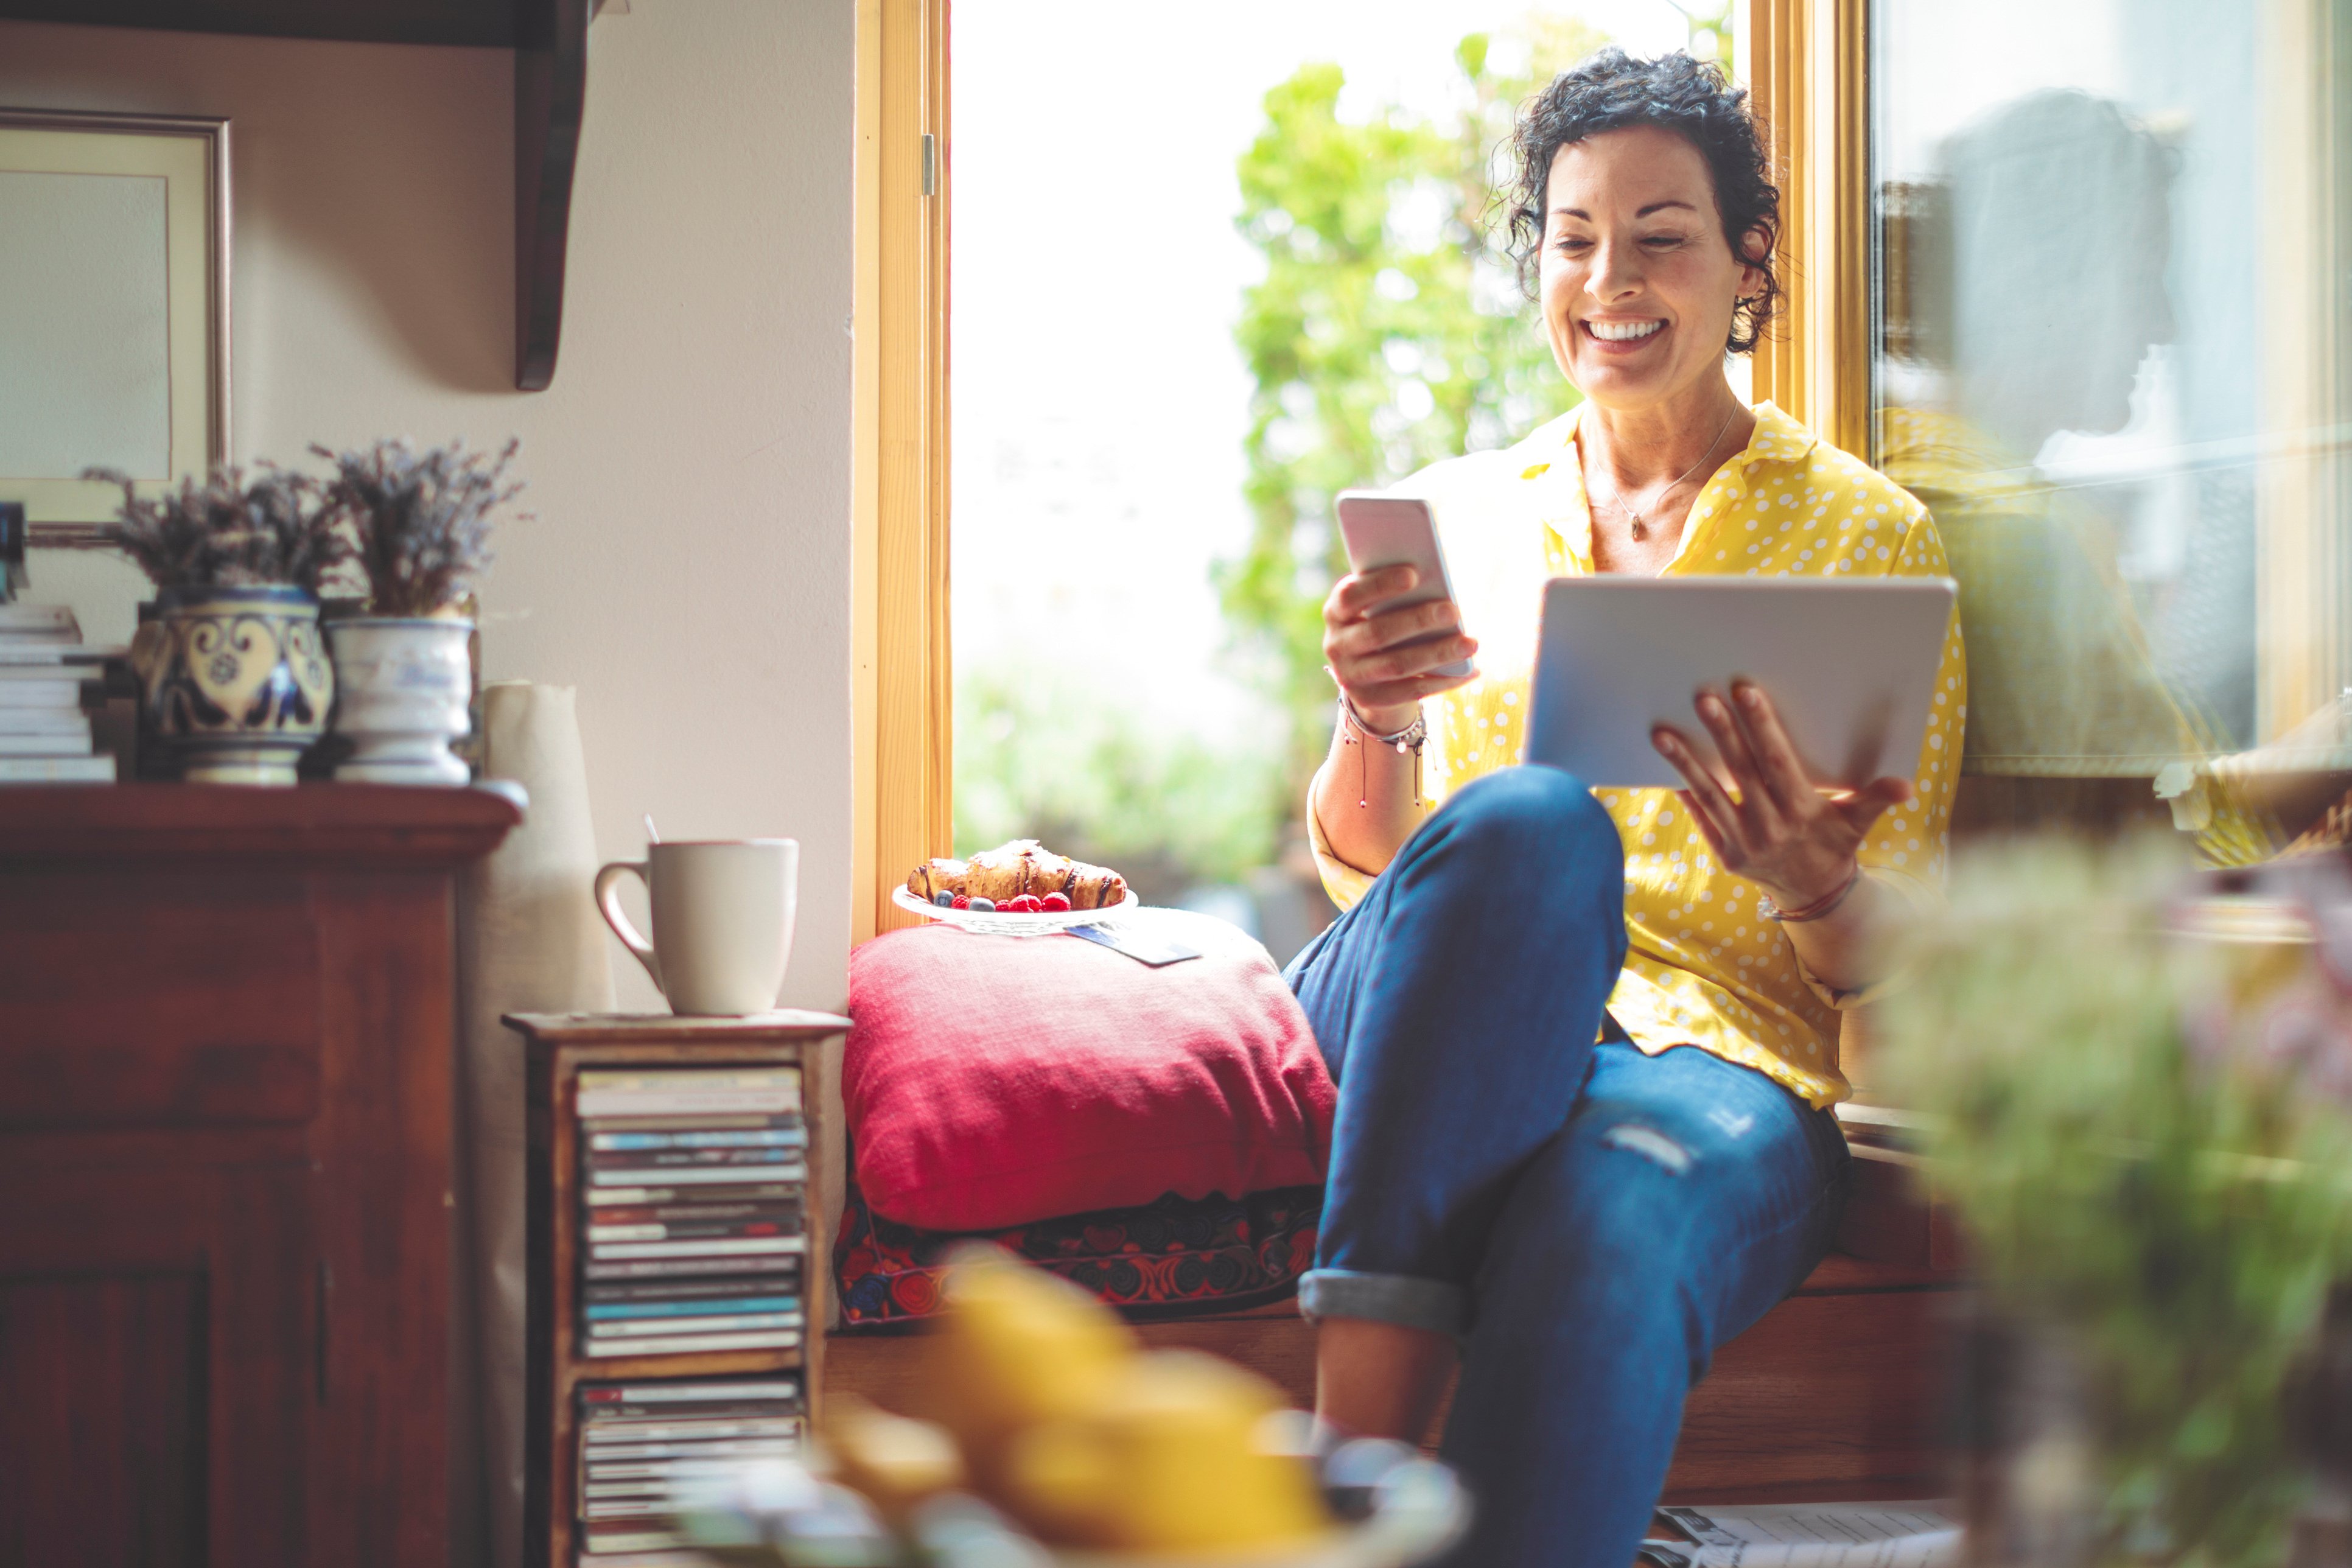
<point x="403" y="688"/>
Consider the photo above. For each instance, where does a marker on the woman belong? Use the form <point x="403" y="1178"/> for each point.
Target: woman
<point x="1586" y="1041"/>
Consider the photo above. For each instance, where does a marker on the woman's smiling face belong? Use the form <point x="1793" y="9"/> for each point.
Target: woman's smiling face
<point x="1637" y="281"/>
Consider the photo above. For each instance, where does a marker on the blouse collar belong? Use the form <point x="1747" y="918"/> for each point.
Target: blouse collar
<point x="1568" y="510"/>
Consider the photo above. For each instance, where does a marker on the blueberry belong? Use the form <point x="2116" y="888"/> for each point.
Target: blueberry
<point x="945" y="901"/>
<point x="982" y="906"/>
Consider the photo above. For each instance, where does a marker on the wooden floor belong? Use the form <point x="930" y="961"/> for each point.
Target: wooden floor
<point x="1837" y="1394"/>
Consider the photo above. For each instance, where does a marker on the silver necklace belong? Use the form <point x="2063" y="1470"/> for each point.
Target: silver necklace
<point x="1641" y="523"/>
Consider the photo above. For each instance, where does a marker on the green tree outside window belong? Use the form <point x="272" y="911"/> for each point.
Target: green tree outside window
<point x="1389" y="331"/>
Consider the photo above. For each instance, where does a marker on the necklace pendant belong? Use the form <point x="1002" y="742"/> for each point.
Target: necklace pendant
<point x="1641" y="529"/>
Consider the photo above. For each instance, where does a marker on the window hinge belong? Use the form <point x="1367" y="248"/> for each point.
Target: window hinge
<point x="930" y="163"/>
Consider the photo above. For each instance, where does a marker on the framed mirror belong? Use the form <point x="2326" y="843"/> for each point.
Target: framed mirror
<point x="114" y="308"/>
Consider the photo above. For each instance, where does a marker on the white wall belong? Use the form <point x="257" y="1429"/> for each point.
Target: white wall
<point x="688" y="569"/>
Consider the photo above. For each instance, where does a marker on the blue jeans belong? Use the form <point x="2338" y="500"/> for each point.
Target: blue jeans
<point x="1591" y="1222"/>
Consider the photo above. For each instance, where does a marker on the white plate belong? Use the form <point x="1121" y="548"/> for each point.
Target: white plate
<point x="996" y="922"/>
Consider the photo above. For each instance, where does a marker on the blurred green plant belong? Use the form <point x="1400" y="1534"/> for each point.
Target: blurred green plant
<point x="2144" y="1162"/>
<point x="1042" y="752"/>
<point x="1388" y="333"/>
<point x="1710" y="31"/>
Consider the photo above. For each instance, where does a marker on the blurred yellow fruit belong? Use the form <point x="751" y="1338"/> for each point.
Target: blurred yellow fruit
<point x="896" y="1462"/>
<point x="1164" y="1459"/>
<point x="1017" y="1346"/>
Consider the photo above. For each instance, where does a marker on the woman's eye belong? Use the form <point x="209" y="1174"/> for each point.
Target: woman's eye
<point x="1575" y="247"/>
<point x="1663" y="241"/>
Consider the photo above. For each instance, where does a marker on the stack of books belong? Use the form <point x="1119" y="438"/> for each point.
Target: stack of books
<point x="693" y="1185"/>
<point x="43" y="732"/>
<point x="642" y="1443"/>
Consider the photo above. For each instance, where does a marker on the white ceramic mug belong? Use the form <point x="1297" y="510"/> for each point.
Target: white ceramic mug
<point x="722" y="921"/>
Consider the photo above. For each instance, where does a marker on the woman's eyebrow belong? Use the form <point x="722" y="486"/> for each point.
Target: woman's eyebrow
<point x="1645" y="212"/>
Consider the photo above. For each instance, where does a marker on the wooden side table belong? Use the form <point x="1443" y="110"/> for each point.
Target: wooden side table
<point x="559" y="1046"/>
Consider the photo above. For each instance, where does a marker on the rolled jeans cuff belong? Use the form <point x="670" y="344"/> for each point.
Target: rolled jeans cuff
<point x="1399" y="1298"/>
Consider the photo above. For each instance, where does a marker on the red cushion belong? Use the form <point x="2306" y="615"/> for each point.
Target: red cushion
<point x="994" y="1081"/>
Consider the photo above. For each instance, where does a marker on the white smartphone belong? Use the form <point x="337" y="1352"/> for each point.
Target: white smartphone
<point x="1383" y="530"/>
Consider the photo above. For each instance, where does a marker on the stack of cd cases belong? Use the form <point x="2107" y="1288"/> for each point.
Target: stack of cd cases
<point x="642" y="1443"/>
<point x="693" y="1187"/>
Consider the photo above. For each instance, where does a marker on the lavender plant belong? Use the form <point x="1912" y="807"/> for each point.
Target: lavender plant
<point x="221" y="531"/>
<point x="421" y="520"/>
<point x="2150" y="1141"/>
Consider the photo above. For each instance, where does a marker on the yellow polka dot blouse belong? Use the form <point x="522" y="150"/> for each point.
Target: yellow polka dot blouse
<point x="1703" y="967"/>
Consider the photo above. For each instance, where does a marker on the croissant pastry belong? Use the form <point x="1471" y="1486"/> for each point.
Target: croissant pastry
<point x="1020" y="867"/>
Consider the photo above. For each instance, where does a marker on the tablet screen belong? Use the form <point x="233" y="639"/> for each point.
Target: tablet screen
<point x="1850" y="664"/>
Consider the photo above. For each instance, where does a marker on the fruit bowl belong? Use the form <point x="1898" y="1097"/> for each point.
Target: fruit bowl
<point x="996" y="922"/>
<point x="775" y="1515"/>
<point x="1053" y="1417"/>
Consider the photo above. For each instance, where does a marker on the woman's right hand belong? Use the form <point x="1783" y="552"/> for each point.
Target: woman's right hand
<point x="1382" y="678"/>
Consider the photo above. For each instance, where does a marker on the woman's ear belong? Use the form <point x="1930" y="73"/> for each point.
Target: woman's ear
<point x="1754" y="248"/>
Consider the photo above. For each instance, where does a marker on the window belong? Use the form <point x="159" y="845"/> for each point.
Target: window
<point x="1217" y="274"/>
<point x="2113" y="245"/>
<point x="2074" y="270"/>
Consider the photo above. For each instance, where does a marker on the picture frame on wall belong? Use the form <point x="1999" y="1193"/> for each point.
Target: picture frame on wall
<point x="114" y="308"/>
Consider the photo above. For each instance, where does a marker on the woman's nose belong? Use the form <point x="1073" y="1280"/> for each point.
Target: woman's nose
<point x="1616" y="271"/>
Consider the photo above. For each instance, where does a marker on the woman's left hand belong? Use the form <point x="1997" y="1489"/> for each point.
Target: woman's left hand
<point x="1764" y="816"/>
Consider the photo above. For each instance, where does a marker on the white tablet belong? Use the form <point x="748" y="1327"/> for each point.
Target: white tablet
<point x="1850" y="664"/>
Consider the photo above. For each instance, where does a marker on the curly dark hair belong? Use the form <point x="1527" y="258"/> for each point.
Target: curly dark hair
<point x="1611" y="90"/>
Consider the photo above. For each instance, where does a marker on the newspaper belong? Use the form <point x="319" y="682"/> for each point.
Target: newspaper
<point x="1809" y="1535"/>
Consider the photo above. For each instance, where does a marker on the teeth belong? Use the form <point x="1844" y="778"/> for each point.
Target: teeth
<point x="1624" y="332"/>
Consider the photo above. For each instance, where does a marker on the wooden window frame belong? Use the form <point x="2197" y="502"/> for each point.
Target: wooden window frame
<point x="1809" y="63"/>
<point x="2303" y="582"/>
<point x="902" y="667"/>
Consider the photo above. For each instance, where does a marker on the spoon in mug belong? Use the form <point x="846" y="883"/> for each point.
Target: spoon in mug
<point x="653" y="834"/>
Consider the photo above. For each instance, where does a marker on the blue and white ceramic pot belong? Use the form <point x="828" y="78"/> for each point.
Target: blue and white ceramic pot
<point x="233" y="682"/>
<point x="403" y="691"/>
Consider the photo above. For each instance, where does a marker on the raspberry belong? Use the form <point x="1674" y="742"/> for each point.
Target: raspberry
<point x="1055" y="903"/>
<point x="961" y="902"/>
<point x="1026" y="904"/>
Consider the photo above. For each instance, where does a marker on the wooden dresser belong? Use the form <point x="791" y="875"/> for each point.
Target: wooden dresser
<point x="226" y="1026"/>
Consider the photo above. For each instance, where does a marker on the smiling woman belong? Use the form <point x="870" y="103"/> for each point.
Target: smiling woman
<point x="1585" y="1040"/>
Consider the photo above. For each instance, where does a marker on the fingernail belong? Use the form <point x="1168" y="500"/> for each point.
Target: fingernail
<point x="1751" y="696"/>
<point x="1710" y="707"/>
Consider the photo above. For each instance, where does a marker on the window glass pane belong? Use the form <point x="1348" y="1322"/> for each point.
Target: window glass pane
<point x="2112" y="288"/>
<point x="1204" y="277"/>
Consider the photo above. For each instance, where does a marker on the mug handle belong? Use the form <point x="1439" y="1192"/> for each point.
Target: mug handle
<point x="608" y="900"/>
